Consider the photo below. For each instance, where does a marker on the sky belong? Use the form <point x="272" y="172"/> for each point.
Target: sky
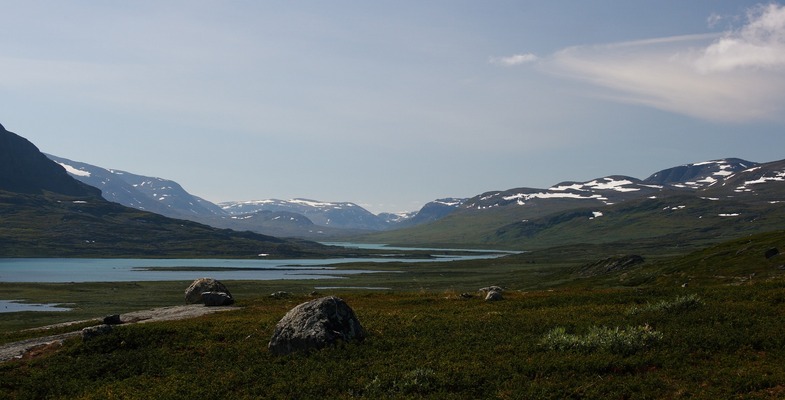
<point x="392" y="104"/>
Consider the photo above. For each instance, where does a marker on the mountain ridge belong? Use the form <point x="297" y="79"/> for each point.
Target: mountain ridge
<point x="597" y="210"/>
<point x="44" y="212"/>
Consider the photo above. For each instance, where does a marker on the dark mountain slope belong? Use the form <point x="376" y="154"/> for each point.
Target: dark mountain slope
<point x="24" y="169"/>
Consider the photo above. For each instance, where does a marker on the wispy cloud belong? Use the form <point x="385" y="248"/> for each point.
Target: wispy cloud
<point x="736" y="76"/>
<point x="515" y="59"/>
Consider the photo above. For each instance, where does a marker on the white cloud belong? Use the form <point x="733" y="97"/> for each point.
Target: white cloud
<point x="516" y="59"/>
<point x="734" y="77"/>
<point x="759" y="44"/>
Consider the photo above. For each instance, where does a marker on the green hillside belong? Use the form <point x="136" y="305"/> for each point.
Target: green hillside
<point x="51" y="225"/>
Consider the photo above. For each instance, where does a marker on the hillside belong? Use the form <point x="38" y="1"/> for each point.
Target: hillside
<point x="694" y="204"/>
<point x="46" y="213"/>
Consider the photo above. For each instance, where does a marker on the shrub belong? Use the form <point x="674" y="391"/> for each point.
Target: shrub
<point x="616" y="340"/>
<point x="679" y="304"/>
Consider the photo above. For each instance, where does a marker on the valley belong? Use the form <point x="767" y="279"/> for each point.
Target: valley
<point x="682" y="273"/>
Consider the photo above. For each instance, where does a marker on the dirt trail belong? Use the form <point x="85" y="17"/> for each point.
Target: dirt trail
<point x="18" y="350"/>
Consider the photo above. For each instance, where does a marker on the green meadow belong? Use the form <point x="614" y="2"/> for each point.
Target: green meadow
<point x="639" y="334"/>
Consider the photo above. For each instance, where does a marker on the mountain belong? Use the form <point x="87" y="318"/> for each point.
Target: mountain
<point x="44" y="212"/>
<point x="696" y="202"/>
<point x="430" y="212"/>
<point x="161" y="196"/>
<point x="343" y="215"/>
<point x="699" y="175"/>
<point x="287" y="218"/>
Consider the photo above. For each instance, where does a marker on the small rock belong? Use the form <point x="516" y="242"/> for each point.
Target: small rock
<point x="217" y="299"/>
<point x="315" y="325"/>
<point x="466" y="295"/>
<point x="492" y="289"/>
<point x="494" y="296"/>
<point x="280" y="295"/>
<point x="771" y="252"/>
<point x="95" y="331"/>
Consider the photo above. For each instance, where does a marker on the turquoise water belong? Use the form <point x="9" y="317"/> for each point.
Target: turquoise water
<point x="129" y="270"/>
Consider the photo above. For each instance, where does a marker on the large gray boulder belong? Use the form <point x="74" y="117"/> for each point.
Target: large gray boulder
<point x="193" y="294"/>
<point x="314" y="325"/>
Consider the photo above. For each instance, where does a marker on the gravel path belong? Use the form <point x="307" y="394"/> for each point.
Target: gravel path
<point x="17" y="350"/>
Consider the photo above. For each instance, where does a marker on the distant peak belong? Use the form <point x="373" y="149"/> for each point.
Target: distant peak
<point x="2" y="128"/>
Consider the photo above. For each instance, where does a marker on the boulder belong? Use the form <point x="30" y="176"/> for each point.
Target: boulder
<point x="314" y="325"/>
<point x="193" y="294"/>
<point x="494" y="295"/>
<point x="217" y="299"/>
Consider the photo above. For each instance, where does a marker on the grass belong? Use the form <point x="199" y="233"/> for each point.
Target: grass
<point x="435" y="345"/>
<point x="629" y="334"/>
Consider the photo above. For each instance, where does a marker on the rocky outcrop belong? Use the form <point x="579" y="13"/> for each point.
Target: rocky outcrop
<point x="193" y="294"/>
<point x="314" y="325"/>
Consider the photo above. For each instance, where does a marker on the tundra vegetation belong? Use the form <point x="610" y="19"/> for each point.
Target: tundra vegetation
<point x="635" y="333"/>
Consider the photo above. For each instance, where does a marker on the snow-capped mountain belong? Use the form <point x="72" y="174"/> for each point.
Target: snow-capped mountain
<point x="617" y="188"/>
<point x="396" y="218"/>
<point x="607" y="190"/>
<point x="432" y="211"/>
<point x="332" y="214"/>
<point x="296" y="217"/>
<point x="161" y="196"/>
<point x="699" y="175"/>
<point x="764" y="181"/>
<point x="318" y="219"/>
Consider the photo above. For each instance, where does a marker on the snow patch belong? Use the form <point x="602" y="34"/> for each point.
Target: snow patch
<point x="74" y="171"/>
<point x="520" y="197"/>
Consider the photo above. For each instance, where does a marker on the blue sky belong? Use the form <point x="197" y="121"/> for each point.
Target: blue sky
<point x="391" y="104"/>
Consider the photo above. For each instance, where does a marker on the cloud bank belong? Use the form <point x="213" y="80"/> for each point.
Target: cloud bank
<point x="735" y="76"/>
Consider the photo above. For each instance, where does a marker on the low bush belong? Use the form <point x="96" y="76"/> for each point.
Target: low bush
<point x="616" y="340"/>
<point x="677" y="305"/>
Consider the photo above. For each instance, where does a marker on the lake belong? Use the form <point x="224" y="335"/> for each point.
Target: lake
<point x="129" y="270"/>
